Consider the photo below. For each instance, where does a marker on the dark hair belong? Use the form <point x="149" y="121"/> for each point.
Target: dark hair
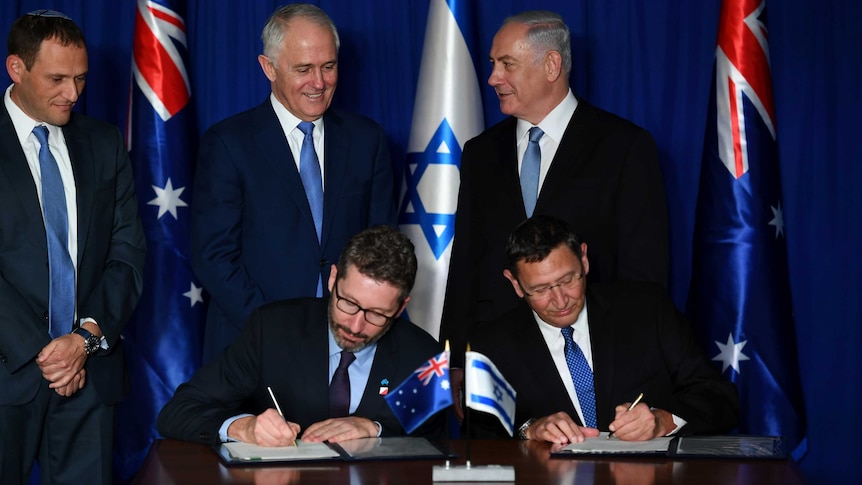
<point x="30" y="30"/>
<point x="383" y="254"/>
<point x="536" y="237"/>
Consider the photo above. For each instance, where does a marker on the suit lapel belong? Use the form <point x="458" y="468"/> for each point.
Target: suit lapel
<point x="14" y="168"/>
<point x="572" y="154"/>
<point x="384" y="358"/>
<point x="509" y="180"/>
<point x="602" y="337"/>
<point x="272" y="142"/>
<point x="315" y="367"/>
<point x="336" y="160"/>
<point x="83" y="168"/>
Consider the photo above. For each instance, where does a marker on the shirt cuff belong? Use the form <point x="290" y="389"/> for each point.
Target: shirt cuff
<point x="679" y="422"/>
<point x="222" y="432"/>
<point x="379" y="428"/>
<point x="103" y="343"/>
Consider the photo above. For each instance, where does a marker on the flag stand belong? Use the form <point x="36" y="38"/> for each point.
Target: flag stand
<point x="468" y="472"/>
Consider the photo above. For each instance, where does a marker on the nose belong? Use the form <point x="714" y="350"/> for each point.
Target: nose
<point x="494" y="79"/>
<point x="356" y="323"/>
<point x="317" y="80"/>
<point x="557" y="296"/>
<point x="72" y="89"/>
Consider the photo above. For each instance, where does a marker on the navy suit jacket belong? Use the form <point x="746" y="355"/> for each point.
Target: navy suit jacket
<point x="111" y="252"/>
<point x="640" y="343"/>
<point x="604" y="180"/>
<point x="285" y="345"/>
<point x="253" y="236"/>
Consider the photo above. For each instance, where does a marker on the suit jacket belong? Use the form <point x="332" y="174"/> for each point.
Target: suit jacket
<point x="253" y="236"/>
<point x="640" y="343"/>
<point x="605" y="180"/>
<point x="285" y="345"/>
<point x="111" y="252"/>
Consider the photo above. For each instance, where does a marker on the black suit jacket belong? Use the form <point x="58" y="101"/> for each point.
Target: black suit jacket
<point x="605" y="180"/>
<point x="285" y="345"/>
<point x="111" y="252"/>
<point x="640" y="343"/>
<point x="251" y="223"/>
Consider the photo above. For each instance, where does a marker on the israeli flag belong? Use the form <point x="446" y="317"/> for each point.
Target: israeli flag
<point x="447" y="113"/>
<point x="487" y="390"/>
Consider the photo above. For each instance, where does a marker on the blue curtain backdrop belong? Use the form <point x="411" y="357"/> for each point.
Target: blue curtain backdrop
<point x="649" y="61"/>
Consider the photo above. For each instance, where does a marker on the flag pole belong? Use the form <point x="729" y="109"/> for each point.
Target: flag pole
<point x="466" y="411"/>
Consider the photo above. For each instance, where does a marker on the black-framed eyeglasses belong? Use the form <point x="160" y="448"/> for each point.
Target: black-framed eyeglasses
<point x="374" y="318"/>
<point x="567" y="282"/>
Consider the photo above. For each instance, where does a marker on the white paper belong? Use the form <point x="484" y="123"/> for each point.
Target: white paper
<point x="603" y="445"/>
<point x="302" y="451"/>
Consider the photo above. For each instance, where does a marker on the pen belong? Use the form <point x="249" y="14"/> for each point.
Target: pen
<point x="277" y="407"/>
<point x="635" y="403"/>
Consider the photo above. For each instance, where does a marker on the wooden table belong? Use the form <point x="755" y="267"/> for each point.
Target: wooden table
<point x="177" y="462"/>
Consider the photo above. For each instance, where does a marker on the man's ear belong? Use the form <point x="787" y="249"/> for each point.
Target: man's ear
<point x="517" y="286"/>
<point x="584" y="261"/>
<point x="553" y="65"/>
<point x="333" y="274"/>
<point x="403" y="306"/>
<point x="267" y="66"/>
<point x="15" y="67"/>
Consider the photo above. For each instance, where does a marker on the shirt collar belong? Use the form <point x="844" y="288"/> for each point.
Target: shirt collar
<point x="555" y="123"/>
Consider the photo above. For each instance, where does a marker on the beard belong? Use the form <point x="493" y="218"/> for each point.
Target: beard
<point x="363" y="340"/>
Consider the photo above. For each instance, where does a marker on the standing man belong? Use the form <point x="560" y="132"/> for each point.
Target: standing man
<point x="556" y="154"/>
<point x="71" y="259"/>
<point x="280" y="188"/>
<point x="329" y="362"/>
<point x="579" y="354"/>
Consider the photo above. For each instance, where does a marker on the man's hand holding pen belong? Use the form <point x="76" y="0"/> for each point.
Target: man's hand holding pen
<point x="637" y="422"/>
<point x="265" y="429"/>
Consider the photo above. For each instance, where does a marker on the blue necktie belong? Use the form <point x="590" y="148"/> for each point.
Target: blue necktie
<point x="309" y="171"/>
<point x="530" y="166"/>
<point x="61" y="305"/>
<point x="582" y="376"/>
<point x="339" y="388"/>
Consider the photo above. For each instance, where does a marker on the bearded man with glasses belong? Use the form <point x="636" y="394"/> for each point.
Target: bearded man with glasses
<point x="329" y="362"/>
<point x="578" y="357"/>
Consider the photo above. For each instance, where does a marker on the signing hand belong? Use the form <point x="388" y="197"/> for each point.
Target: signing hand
<point x="641" y="423"/>
<point x="265" y="429"/>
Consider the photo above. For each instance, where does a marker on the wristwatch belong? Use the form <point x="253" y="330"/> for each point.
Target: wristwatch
<point x="91" y="342"/>
<point x="522" y="431"/>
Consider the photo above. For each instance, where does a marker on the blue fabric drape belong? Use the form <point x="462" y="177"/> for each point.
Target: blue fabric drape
<point x="646" y="60"/>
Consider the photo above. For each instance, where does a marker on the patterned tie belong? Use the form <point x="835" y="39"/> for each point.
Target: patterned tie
<point x="530" y="170"/>
<point x="61" y="305"/>
<point x="339" y="388"/>
<point x="582" y="376"/>
<point x="309" y="171"/>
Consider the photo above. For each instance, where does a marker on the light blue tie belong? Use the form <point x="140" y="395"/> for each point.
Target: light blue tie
<point x="582" y="376"/>
<point x="309" y="171"/>
<point x="530" y="166"/>
<point x="61" y="305"/>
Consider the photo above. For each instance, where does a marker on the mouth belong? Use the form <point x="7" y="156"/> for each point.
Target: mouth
<point x="313" y="96"/>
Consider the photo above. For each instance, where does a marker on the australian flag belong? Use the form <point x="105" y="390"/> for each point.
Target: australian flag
<point x="423" y="394"/>
<point x="447" y="113"/>
<point x="162" y="341"/>
<point x="740" y="298"/>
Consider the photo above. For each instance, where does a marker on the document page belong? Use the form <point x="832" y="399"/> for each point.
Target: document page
<point x="302" y="451"/>
<point x="602" y="445"/>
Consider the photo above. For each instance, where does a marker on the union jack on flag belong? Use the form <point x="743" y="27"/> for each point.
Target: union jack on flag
<point x="423" y="394"/>
<point x="739" y="299"/>
<point x="163" y="339"/>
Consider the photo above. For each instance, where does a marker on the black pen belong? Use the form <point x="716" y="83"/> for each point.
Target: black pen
<point x="277" y="407"/>
<point x="635" y="403"/>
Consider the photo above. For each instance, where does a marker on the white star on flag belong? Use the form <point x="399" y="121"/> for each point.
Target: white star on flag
<point x="444" y="384"/>
<point x="730" y="353"/>
<point x="168" y="199"/>
<point x="777" y="220"/>
<point x="194" y="294"/>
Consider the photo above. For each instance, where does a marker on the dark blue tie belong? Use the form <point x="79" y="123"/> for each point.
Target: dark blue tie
<point x="582" y="376"/>
<point x="309" y="171"/>
<point x="61" y="305"/>
<point x="339" y="387"/>
<point x="530" y="166"/>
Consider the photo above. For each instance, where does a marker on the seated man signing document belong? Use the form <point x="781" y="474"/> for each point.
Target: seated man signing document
<point x="579" y="357"/>
<point x="329" y="362"/>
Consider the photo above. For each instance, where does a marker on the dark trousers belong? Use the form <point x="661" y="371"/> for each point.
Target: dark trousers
<point x="71" y="437"/>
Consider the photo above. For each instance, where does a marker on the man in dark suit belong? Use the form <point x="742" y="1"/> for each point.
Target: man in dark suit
<point x="69" y="280"/>
<point x="589" y="167"/>
<point x="258" y="234"/>
<point x="297" y="348"/>
<point x="631" y="340"/>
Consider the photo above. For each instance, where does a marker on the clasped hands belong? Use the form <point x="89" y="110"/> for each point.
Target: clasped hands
<point x="639" y="424"/>
<point x="270" y="429"/>
<point x="62" y="364"/>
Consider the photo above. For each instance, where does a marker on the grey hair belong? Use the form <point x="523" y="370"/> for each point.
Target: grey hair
<point x="273" y="32"/>
<point x="546" y="31"/>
